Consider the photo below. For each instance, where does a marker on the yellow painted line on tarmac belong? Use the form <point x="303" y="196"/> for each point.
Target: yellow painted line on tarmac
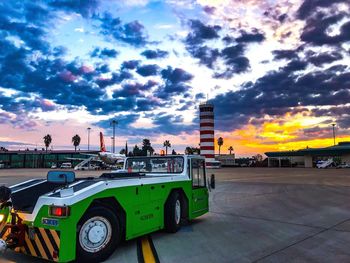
<point x="147" y="252"/>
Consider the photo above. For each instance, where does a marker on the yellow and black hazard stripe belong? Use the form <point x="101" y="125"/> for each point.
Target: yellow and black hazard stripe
<point x="39" y="242"/>
<point x="146" y="251"/>
<point x="42" y="243"/>
<point x="4" y="231"/>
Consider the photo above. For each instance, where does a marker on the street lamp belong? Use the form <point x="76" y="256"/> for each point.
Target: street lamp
<point x="112" y="138"/>
<point x="113" y="123"/>
<point x="333" y="125"/>
<point x="88" y="129"/>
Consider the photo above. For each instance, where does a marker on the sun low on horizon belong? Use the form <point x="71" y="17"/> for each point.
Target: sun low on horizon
<point x="277" y="72"/>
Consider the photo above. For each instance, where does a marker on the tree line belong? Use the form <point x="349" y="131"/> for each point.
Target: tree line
<point x="76" y="139"/>
<point x="146" y="147"/>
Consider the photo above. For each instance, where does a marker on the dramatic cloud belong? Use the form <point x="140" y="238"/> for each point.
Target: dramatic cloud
<point x="262" y="63"/>
<point x="315" y="31"/>
<point x="132" y="33"/>
<point x="172" y="124"/>
<point x="280" y="92"/>
<point x="232" y="56"/>
<point x="131" y="64"/>
<point x="285" y="54"/>
<point x="308" y="7"/>
<point x="206" y="55"/>
<point x="148" y="70"/>
<point x="175" y="82"/>
<point x="176" y="75"/>
<point x="134" y="89"/>
<point x="116" y="78"/>
<point x="200" y="32"/>
<point x="234" y="60"/>
<point x="250" y="37"/>
<point x="85" y="8"/>
<point x="104" y="53"/>
<point x="324" y="58"/>
<point x="154" y="54"/>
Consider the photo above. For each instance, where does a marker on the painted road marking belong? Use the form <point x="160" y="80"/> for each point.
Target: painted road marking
<point x="146" y="251"/>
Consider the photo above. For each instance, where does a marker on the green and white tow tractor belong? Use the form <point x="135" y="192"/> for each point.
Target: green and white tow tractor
<point x="63" y="218"/>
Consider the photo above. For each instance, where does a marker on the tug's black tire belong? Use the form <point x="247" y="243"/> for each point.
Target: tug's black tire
<point x="105" y="215"/>
<point x="171" y="221"/>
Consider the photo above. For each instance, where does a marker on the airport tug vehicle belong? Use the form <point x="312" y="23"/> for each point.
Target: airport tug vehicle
<point x="63" y="218"/>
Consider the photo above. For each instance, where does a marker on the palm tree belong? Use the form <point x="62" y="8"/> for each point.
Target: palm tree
<point x="230" y="149"/>
<point x="166" y="144"/>
<point x="47" y="140"/>
<point x="188" y="150"/>
<point x="76" y="141"/>
<point x="220" y="143"/>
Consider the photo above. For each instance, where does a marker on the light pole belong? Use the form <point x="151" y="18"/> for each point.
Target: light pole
<point x="113" y="123"/>
<point x="88" y="129"/>
<point x="333" y="125"/>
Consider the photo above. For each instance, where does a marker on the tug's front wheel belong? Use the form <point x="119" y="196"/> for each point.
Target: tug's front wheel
<point x="98" y="235"/>
<point x="173" y="211"/>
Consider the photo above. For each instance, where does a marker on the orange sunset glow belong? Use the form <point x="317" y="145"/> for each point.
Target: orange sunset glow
<point x="281" y="134"/>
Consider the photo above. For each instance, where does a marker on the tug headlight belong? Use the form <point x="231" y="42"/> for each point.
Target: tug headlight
<point x="2" y="217"/>
<point x="59" y="211"/>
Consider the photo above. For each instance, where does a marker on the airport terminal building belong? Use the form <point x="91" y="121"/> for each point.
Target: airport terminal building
<point x="309" y="157"/>
<point x="41" y="159"/>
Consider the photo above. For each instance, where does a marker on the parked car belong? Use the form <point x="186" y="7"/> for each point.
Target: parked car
<point x="54" y="166"/>
<point x="343" y="165"/>
<point x="87" y="167"/>
<point x="66" y="166"/>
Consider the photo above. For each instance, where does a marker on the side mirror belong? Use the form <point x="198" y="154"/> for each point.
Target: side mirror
<point x="212" y="181"/>
<point x="61" y="177"/>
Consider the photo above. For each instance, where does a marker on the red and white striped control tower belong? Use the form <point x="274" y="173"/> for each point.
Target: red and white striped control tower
<point x="207" y="139"/>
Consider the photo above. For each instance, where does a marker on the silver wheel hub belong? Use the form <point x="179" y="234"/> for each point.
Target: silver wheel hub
<point x="177" y="212"/>
<point x="95" y="234"/>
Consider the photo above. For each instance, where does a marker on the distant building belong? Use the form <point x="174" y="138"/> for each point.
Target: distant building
<point x="310" y="156"/>
<point x="41" y="159"/>
<point x="226" y="159"/>
<point x="207" y="139"/>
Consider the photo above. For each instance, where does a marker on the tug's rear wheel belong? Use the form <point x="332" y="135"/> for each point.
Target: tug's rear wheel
<point x="98" y="235"/>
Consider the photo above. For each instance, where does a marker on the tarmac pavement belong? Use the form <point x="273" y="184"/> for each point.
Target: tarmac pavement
<point x="256" y="215"/>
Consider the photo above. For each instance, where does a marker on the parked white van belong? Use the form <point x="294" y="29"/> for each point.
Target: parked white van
<point x="66" y="166"/>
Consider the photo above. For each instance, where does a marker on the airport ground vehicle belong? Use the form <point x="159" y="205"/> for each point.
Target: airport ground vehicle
<point x="66" y="166"/>
<point x="87" y="167"/>
<point x="63" y="218"/>
<point x="325" y="164"/>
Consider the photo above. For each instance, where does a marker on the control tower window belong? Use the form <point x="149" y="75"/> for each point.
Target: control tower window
<point x="206" y="109"/>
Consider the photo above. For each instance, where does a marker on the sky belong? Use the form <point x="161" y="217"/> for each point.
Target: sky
<point x="277" y="72"/>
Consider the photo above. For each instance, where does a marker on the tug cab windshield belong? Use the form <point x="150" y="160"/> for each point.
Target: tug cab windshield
<point x="155" y="165"/>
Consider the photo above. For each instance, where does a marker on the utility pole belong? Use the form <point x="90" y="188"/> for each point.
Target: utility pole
<point x="113" y="123"/>
<point x="88" y="129"/>
<point x="333" y="125"/>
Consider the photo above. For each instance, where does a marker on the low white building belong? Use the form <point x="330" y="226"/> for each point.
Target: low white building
<point x="310" y="156"/>
<point x="226" y="159"/>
